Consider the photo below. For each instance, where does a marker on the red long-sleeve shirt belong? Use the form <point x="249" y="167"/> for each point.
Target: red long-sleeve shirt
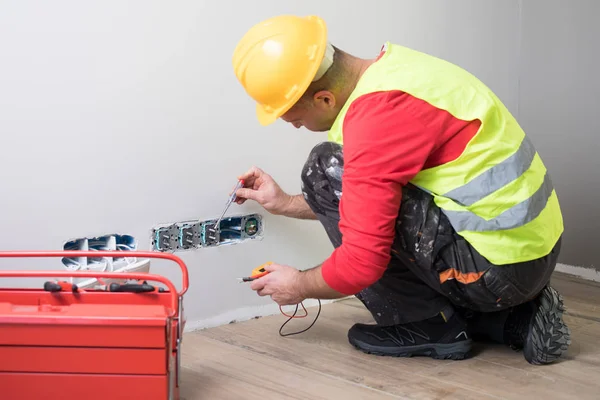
<point x="388" y="138"/>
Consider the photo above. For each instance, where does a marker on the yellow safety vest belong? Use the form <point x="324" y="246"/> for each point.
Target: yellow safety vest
<point x="497" y="194"/>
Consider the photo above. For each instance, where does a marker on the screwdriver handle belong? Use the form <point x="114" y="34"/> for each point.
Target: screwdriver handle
<point x="231" y="199"/>
<point x="238" y="185"/>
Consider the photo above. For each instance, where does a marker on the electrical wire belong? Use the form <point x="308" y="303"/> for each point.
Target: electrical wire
<point x="101" y="265"/>
<point x="293" y="316"/>
<point x="290" y="317"/>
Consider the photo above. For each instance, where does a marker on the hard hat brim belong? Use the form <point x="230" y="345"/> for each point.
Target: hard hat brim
<point x="264" y="117"/>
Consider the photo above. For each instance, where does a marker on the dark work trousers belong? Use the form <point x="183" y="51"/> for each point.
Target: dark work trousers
<point x="425" y="248"/>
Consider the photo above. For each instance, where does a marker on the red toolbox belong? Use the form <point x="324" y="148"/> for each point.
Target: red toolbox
<point x="62" y="342"/>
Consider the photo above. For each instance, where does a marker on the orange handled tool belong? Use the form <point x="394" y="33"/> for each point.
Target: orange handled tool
<point x="257" y="273"/>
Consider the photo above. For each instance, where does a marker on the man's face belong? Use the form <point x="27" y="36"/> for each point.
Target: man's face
<point x="316" y="115"/>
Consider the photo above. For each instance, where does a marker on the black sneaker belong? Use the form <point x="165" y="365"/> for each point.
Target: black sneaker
<point x="433" y="337"/>
<point x="538" y="329"/>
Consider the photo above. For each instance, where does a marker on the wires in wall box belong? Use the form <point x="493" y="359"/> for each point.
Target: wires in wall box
<point x="194" y="234"/>
<point x="111" y="242"/>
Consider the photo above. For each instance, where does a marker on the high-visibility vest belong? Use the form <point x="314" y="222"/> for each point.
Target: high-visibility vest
<point x="497" y="194"/>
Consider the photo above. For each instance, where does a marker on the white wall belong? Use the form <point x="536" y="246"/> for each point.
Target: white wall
<point x="85" y="86"/>
<point x="559" y="105"/>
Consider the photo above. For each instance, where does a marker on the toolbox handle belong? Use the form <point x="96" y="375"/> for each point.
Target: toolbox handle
<point x="103" y="253"/>
<point x="107" y="275"/>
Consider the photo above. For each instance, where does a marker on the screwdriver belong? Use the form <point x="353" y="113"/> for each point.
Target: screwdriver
<point x="231" y="199"/>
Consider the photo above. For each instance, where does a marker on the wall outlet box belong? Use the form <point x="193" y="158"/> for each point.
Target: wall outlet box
<point x="194" y="234"/>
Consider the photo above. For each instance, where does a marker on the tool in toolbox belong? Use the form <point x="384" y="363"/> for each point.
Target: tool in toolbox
<point x="63" y="342"/>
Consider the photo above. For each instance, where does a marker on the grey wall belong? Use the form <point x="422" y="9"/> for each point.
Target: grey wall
<point x="118" y="115"/>
<point x="559" y="107"/>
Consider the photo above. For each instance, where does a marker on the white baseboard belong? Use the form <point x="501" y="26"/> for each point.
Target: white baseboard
<point x="247" y="313"/>
<point x="589" y="274"/>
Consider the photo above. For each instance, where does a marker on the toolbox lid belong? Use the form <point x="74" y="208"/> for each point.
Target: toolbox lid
<point x="87" y="325"/>
<point x="83" y="314"/>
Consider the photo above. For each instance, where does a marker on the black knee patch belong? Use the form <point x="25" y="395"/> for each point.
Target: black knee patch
<point x="325" y="162"/>
<point x="321" y="155"/>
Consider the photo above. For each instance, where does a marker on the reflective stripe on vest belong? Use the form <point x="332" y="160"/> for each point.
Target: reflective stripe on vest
<point x="496" y="177"/>
<point x="497" y="194"/>
<point x="514" y="217"/>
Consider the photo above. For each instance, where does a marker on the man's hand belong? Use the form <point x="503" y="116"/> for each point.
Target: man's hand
<point x="262" y="188"/>
<point x="289" y="286"/>
<point x="282" y="284"/>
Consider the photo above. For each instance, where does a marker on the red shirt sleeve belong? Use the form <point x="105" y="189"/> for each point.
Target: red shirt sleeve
<point x="388" y="137"/>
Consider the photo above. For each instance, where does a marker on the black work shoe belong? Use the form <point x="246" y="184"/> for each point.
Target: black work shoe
<point x="537" y="328"/>
<point x="433" y="337"/>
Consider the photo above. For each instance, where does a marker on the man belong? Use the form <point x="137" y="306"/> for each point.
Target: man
<point x="443" y="217"/>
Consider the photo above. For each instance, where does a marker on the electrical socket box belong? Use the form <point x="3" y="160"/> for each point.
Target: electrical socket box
<point x="124" y="243"/>
<point x="110" y="242"/>
<point x="189" y="235"/>
<point x="192" y="235"/>
<point x="211" y="235"/>
<point x="238" y="228"/>
<point x="253" y="226"/>
<point x="165" y="238"/>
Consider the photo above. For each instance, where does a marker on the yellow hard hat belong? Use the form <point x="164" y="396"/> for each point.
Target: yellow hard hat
<point x="276" y="61"/>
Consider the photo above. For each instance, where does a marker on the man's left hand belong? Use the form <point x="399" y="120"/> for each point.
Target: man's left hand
<point x="282" y="283"/>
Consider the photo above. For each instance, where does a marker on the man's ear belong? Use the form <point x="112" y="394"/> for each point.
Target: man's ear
<point x="324" y="99"/>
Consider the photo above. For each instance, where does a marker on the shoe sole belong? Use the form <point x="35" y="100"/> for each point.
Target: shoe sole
<point x="549" y="336"/>
<point x="440" y="351"/>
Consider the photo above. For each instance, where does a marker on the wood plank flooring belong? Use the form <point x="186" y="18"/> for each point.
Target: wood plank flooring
<point x="249" y="360"/>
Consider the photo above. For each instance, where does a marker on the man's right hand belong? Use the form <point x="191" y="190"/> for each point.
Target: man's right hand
<point x="262" y="188"/>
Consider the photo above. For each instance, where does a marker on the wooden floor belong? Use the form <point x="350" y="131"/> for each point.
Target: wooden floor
<point x="250" y="360"/>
